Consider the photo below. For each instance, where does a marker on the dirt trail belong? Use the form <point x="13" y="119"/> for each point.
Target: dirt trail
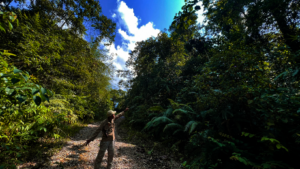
<point x="127" y="155"/>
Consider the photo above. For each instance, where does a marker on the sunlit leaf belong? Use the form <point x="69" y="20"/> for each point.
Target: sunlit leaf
<point x="17" y="71"/>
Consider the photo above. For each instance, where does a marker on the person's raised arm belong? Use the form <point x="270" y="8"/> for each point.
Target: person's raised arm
<point x="121" y="114"/>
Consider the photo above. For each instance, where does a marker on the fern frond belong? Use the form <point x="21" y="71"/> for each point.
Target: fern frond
<point x="187" y="126"/>
<point x="189" y="108"/>
<point x="180" y="110"/>
<point x="191" y="125"/>
<point x="173" y="126"/>
<point x="168" y="112"/>
<point x="183" y="111"/>
<point x="161" y="120"/>
<point x="178" y="130"/>
<point x="173" y="103"/>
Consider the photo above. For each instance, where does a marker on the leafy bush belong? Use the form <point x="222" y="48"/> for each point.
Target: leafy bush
<point x="23" y="118"/>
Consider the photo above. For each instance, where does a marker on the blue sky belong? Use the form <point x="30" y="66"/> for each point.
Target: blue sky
<point x="137" y="20"/>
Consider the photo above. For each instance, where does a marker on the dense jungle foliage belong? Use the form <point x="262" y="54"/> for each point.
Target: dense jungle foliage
<point x="225" y="94"/>
<point x="50" y="77"/>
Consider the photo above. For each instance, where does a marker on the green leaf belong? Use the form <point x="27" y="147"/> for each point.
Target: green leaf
<point x="278" y="146"/>
<point x="250" y="101"/>
<point x="8" y="54"/>
<point x="281" y="74"/>
<point x="21" y="98"/>
<point x="11" y="17"/>
<point x="35" y="91"/>
<point x="43" y="97"/>
<point x="17" y="71"/>
<point x="44" y="91"/>
<point x="9" y="91"/>
<point x="172" y="125"/>
<point x="10" y="26"/>
<point x="251" y="135"/>
<point x="25" y="77"/>
<point x="7" y="75"/>
<point x="161" y="120"/>
<point x="47" y="98"/>
<point x="193" y="126"/>
<point x="14" y="80"/>
<point x="246" y="134"/>
<point x="23" y="88"/>
<point x="295" y="72"/>
<point x="37" y="100"/>
<point x="1" y="28"/>
<point x="49" y="93"/>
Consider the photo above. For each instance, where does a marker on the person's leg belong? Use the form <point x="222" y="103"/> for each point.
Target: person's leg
<point x="111" y="151"/>
<point x="103" y="147"/>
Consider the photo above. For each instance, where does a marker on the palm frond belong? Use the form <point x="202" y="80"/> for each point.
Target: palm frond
<point x="172" y="126"/>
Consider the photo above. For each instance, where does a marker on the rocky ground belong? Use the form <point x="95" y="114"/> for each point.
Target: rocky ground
<point x="129" y="154"/>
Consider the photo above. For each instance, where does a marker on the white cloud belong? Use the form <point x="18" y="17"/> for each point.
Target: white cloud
<point x="201" y="17"/>
<point x="128" y="17"/>
<point x="135" y="34"/>
<point x="118" y="52"/>
<point x="130" y="36"/>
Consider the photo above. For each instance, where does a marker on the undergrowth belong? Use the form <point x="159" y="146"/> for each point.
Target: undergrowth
<point x="47" y="146"/>
<point x="148" y="143"/>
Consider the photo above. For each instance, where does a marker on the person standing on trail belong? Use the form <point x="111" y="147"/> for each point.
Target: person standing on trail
<point x="108" y="139"/>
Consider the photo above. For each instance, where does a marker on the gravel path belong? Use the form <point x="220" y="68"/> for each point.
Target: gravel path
<point x="127" y="155"/>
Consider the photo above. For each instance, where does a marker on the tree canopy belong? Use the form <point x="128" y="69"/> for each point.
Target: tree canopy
<point x="50" y="75"/>
<point x="226" y="97"/>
